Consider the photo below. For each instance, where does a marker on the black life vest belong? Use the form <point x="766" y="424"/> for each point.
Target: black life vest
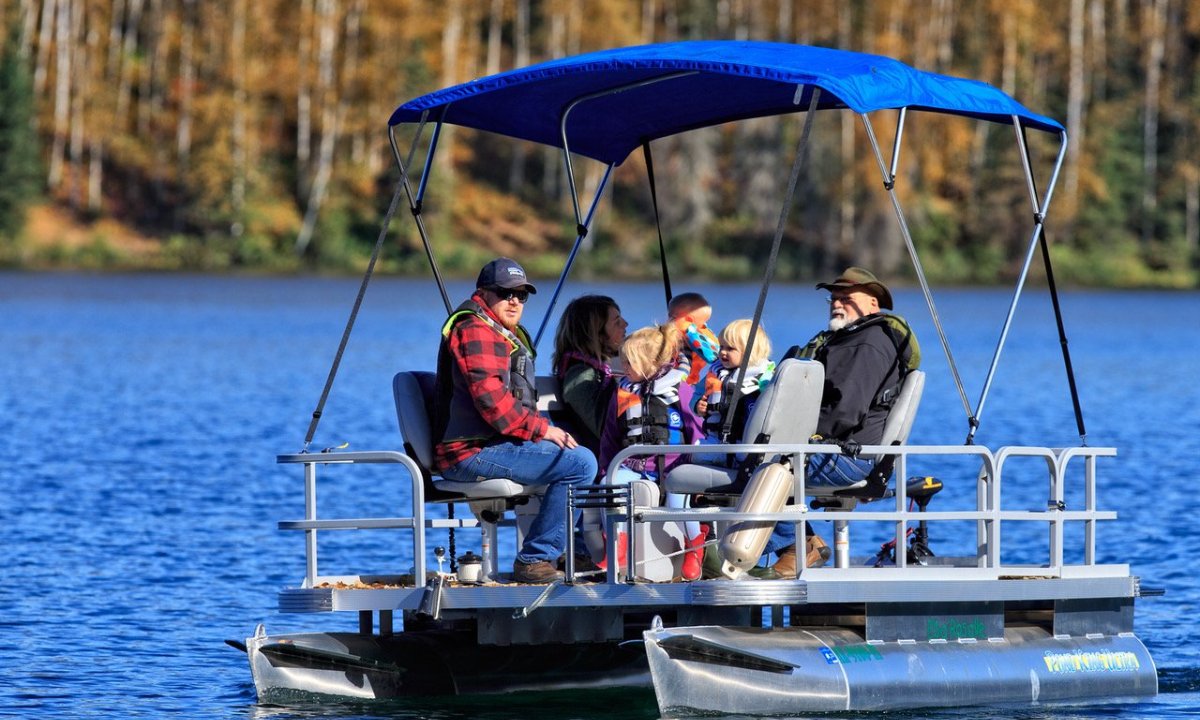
<point x="897" y="330"/>
<point x="719" y="391"/>
<point x="455" y="416"/>
<point x="649" y="412"/>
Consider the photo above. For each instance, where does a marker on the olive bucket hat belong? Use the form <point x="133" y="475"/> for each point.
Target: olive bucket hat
<point x="861" y="279"/>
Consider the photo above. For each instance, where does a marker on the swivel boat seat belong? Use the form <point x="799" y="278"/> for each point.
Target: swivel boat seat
<point x="875" y="486"/>
<point x="786" y="413"/>
<point x="488" y="500"/>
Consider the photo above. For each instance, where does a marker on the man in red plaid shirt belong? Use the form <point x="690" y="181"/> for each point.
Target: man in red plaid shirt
<point x="487" y="413"/>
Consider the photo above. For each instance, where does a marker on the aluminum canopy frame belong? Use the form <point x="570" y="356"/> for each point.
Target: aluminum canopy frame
<point x="603" y="105"/>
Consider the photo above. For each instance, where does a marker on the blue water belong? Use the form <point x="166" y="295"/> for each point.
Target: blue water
<point x="139" y="495"/>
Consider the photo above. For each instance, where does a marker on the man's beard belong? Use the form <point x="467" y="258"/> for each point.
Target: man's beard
<point x="837" y="322"/>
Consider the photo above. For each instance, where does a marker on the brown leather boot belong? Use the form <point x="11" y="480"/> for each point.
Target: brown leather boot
<point x="817" y="552"/>
<point x="534" y="572"/>
<point x="785" y="565"/>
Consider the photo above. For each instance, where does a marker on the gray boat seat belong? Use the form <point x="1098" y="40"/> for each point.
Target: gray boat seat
<point x="786" y="412"/>
<point x="413" y="391"/>
<point x="895" y="432"/>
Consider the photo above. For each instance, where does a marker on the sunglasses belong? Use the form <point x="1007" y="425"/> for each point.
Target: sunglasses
<point x="842" y="297"/>
<point x="506" y="294"/>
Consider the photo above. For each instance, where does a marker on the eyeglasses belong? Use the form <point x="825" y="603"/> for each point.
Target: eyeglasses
<point x="839" y="297"/>
<point x="506" y="294"/>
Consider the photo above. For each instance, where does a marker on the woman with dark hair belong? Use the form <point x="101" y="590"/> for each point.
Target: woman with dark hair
<point x="589" y="334"/>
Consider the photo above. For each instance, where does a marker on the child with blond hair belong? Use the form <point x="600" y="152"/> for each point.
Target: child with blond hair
<point x="720" y="382"/>
<point x="653" y="407"/>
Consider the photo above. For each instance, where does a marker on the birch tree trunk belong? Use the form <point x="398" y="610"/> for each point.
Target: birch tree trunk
<point x="846" y="205"/>
<point x="895" y="24"/>
<point x="1008" y="72"/>
<point x="1099" y="52"/>
<point x="62" y="93"/>
<point x="116" y="37"/>
<point x="187" y="79"/>
<point x="93" y="72"/>
<point x="78" y="92"/>
<point x="237" y="133"/>
<point x="450" y="40"/>
<point x="451" y="37"/>
<point x="470" y="65"/>
<point x="326" y="22"/>
<point x="944" y="32"/>
<point x="41" y="68"/>
<point x="552" y="157"/>
<point x="304" y="98"/>
<point x="516" y="171"/>
<point x="671" y="21"/>
<point x="574" y="21"/>
<point x="649" y="14"/>
<point x="28" y="27"/>
<point x="495" y="22"/>
<point x="1155" y="12"/>
<point x="1075" y="100"/>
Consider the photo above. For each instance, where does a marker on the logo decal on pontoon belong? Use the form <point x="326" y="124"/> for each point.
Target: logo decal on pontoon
<point x="1102" y="661"/>
<point x="954" y="628"/>
<point x="850" y="654"/>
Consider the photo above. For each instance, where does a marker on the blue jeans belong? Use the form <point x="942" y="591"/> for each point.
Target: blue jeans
<point x="821" y="471"/>
<point x="534" y="463"/>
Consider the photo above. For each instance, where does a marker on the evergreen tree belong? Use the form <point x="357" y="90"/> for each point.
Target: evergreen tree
<point x="20" y="174"/>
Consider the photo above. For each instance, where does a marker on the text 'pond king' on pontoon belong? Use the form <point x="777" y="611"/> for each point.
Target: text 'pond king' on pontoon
<point x="903" y="631"/>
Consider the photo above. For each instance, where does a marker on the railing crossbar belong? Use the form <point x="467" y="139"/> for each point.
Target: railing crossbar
<point x="988" y="513"/>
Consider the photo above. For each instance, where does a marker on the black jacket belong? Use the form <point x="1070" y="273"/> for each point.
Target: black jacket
<point x="862" y="361"/>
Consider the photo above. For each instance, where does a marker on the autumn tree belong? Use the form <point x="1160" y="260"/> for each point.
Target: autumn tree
<point x="20" y="175"/>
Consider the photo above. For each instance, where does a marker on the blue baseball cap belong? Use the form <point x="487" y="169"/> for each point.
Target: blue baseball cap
<point x="504" y="273"/>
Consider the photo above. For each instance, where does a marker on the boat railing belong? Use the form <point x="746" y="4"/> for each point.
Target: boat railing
<point x="417" y="522"/>
<point x="988" y="515"/>
<point x="989" y="512"/>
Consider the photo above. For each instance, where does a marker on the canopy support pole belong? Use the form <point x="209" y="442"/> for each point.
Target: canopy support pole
<point x="662" y="246"/>
<point x="1039" y="217"/>
<point x="1044" y="242"/>
<point x="362" y="288"/>
<point x="562" y="278"/>
<point x="800" y="161"/>
<point x="582" y="224"/>
<point x="562" y="128"/>
<point x="889" y="184"/>
<point x="415" y="202"/>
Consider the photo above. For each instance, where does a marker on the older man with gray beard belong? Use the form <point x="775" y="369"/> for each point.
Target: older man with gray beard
<point x="866" y="354"/>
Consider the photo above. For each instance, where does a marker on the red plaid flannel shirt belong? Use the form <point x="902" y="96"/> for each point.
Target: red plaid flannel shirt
<point x="482" y="355"/>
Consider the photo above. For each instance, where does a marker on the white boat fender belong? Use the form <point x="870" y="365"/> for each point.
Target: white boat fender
<point x="743" y="545"/>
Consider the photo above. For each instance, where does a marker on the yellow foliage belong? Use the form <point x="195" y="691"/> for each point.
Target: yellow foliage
<point x="494" y="220"/>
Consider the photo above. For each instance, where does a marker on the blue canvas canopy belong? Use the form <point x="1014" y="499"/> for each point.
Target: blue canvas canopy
<point x="710" y="82"/>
